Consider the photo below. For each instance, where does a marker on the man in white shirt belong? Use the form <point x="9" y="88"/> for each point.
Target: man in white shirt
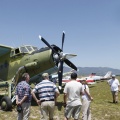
<point x="72" y="92"/>
<point x="115" y="87"/>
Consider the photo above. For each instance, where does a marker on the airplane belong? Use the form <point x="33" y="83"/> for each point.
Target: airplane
<point x="27" y="58"/>
<point x="67" y="79"/>
<point x="55" y="75"/>
<point x="97" y="78"/>
<point x="91" y="79"/>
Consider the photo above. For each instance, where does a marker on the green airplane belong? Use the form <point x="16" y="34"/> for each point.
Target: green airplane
<point x="15" y="61"/>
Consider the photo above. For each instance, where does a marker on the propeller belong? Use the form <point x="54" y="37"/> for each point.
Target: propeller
<point x="63" y="37"/>
<point x="40" y="37"/>
<point x="70" y="64"/>
<point x="62" y="58"/>
<point x="60" y="73"/>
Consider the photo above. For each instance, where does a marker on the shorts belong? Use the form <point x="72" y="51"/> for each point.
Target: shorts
<point x="114" y="93"/>
<point x="73" y="111"/>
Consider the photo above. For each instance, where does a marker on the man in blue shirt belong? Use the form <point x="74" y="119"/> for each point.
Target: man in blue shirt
<point x="23" y="97"/>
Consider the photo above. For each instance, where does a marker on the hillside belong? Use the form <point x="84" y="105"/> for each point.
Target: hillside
<point x="98" y="70"/>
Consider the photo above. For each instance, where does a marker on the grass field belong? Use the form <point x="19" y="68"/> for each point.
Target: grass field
<point x="102" y="107"/>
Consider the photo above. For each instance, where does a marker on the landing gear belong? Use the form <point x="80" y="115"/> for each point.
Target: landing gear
<point x="6" y="103"/>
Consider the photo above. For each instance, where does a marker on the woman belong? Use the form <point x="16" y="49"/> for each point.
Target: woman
<point x="86" y="99"/>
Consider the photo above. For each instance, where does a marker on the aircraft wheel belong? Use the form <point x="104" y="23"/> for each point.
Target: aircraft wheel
<point x="6" y="103"/>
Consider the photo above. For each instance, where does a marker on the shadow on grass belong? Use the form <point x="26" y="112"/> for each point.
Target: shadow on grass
<point x="112" y="102"/>
<point x="59" y="105"/>
<point x="91" y="86"/>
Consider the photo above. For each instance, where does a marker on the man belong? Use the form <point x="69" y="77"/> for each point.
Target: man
<point x="72" y="92"/>
<point x="115" y="87"/>
<point x="47" y="92"/>
<point x="23" y="97"/>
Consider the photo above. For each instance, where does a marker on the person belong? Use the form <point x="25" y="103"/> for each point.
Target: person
<point x="72" y="101"/>
<point x="115" y="87"/>
<point x="54" y="81"/>
<point x="48" y="93"/>
<point x="86" y="99"/>
<point x="23" y="97"/>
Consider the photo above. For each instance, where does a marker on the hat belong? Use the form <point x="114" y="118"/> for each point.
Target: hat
<point x="45" y="75"/>
<point x="113" y="75"/>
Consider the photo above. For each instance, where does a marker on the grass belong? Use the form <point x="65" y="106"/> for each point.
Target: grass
<point x="102" y="107"/>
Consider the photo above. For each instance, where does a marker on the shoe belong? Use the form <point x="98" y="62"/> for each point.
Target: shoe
<point x="113" y="101"/>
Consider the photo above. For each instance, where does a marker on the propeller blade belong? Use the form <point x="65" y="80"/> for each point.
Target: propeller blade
<point x="41" y="38"/>
<point x="70" y="64"/>
<point x="68" y="55"/>
<point x="60" y="73"/>
<point x="63" y="37"/>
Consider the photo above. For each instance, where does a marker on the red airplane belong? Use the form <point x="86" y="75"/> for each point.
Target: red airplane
<point x="67" y="79"/>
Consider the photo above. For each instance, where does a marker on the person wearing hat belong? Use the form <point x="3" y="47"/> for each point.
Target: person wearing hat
<point x="86" y="100"/>
<point x="72" y="101"/>
<point x="115" y="87"/>
<point x="47" y="92"/>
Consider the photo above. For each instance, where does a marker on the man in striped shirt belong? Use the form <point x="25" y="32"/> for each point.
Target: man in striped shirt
<point x="47" y="92"/>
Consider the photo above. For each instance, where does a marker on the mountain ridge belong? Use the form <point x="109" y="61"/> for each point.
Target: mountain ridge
<point x="98" y="70"/>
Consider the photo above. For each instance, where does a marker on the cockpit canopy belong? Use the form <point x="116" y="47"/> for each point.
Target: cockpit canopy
<point x="23" y="49"/>
<point x="27" y="49"/>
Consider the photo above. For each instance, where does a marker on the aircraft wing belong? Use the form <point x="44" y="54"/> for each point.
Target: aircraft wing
<point x="64" y="74"/>
<point x="4" y="49"/>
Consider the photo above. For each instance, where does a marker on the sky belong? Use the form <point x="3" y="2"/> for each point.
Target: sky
<point x="92" y="28"/>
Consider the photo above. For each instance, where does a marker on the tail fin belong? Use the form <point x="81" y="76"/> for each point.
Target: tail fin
<point x="108" y="74"/>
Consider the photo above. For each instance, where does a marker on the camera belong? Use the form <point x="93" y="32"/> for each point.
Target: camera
<point x="19" y="108"/>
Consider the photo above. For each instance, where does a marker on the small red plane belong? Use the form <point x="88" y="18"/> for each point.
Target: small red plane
<point x="93" y="76"/>
<point x="67" y="79"/>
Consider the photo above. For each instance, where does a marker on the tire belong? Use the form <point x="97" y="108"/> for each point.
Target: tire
<point x="6" y="103"/>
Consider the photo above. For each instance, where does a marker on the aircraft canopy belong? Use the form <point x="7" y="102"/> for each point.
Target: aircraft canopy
<point x="27" y="48"/>
<point x="23" y="49"/>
